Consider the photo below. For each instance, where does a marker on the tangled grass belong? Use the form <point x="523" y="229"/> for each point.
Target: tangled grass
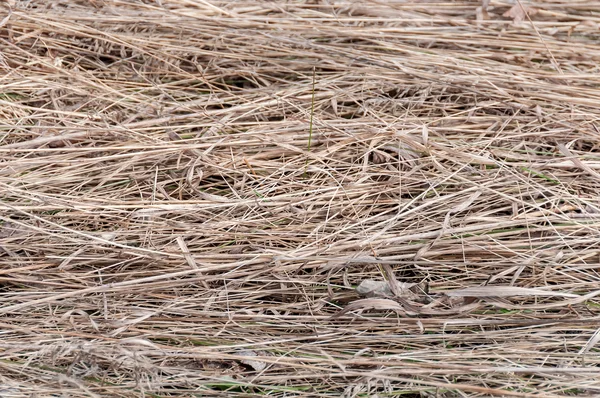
<point x="191" y="191"/>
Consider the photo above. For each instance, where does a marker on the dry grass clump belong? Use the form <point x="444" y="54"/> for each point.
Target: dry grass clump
<point x="166" y="229"/>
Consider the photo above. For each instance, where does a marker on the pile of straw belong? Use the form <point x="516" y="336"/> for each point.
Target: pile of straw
<point x="192" y="191"/>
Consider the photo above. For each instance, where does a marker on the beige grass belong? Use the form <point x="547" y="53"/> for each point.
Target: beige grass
<point x="165" y="229"/>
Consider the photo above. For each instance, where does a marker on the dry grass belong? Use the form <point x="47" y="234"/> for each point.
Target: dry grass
<point x="163" y="216"/>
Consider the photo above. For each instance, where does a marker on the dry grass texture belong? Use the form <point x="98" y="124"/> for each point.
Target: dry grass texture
<point x="167" y="229"/>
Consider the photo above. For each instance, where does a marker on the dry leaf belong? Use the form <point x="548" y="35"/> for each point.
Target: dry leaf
<point x="258" y="366"/>
<point x="503" y="291"/>
<point x="589" y="23"/>
<point x="8" y="229"/>
<point x="334" y="106"/>
<point x="576" y="162"/>
<point x="139" y="342"/>
<point x="591" y="343"/>
<point x="378" y="157"/>
<point x="591" y="209"/>
<point x="373" y="288"/>
<point x="539" y="114"/>
<point x="461" y="207"/>
<point x="481" y="14"/>
<point x="425" y="134"/>
<point x="5" y="19"/>
<point x="519" y="12"/>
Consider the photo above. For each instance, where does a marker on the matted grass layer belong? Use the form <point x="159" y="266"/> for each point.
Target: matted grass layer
<point x="186" y="208"/>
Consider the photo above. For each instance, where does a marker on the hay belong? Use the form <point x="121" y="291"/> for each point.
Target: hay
<point x="166" y="229"/>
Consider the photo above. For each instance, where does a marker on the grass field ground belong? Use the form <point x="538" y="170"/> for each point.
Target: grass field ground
<point x="299" y="198"/>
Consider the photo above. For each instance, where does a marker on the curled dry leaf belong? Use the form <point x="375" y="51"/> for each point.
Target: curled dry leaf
<point x="258" y="366"/>
<point x="519" y="12"/>
<point x="5" y="19"/>
<point x="379" y="157"/>
<point x="334" y="106"/>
